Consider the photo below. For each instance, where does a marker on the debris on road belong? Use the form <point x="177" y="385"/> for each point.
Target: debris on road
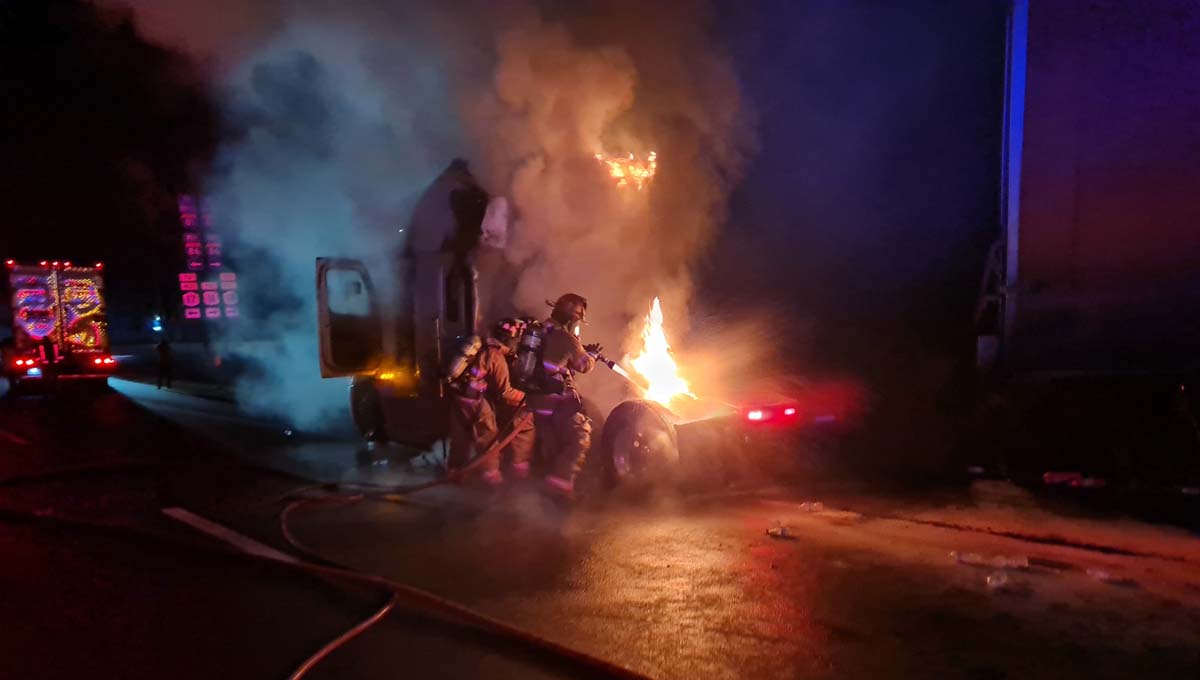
<point x="972" y="559"/>
<point x="1018" y="562"/>
<point x="999" y="561"/>
<point x="997" y="580"/>
<point x="781" y="532"/>
<point x="1061" y="477"/>
<point x="1106" y="576"/>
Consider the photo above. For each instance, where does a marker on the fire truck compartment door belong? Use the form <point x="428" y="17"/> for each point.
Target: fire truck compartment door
<point x="349" y="320"/>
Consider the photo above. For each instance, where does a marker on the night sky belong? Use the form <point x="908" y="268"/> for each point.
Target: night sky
<point x="870" y="204"/>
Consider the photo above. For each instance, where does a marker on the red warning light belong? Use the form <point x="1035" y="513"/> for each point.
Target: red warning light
<point x="99" y="265"/>
<point x="9" y="262"/>
<point x="66" y="264"/>
<point x="43" y="263"/>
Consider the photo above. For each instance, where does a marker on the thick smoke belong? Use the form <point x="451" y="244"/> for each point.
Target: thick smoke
<point x="341" y="113"/>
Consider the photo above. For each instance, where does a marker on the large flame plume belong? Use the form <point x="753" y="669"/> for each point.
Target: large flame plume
<point x="655" y="363"/>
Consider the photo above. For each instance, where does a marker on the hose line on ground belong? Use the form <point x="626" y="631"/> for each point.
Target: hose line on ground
<point x="431" y="603"/>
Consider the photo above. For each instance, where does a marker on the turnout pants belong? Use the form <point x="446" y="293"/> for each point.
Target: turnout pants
<point x="473" y="426"/>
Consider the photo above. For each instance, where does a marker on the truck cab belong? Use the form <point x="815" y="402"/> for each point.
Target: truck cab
<point x="57" y="322"/>
<point x="390" y="322"/>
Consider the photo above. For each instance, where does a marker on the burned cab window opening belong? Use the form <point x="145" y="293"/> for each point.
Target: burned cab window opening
<point x="347" y="293"/>
<point x="355" y="331"/>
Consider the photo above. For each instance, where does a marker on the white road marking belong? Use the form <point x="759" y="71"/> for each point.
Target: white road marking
<point x="239" y="541"/>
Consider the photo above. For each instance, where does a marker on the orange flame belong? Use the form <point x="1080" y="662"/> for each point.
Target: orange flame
<point x="655" y="363"/>
<point x="629" y="170"/>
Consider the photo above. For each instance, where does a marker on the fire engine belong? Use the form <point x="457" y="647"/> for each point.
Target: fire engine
<point x="59" y="328"/>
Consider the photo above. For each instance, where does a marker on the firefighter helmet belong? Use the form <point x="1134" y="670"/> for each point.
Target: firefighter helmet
<point x="508" y="331"/>
<point x="569" y="310"/>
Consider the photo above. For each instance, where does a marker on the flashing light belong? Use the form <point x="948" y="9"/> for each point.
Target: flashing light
<point x="156" y="325"/>
<point x="54" y="263"/>
<point x="755" y="415"/>
<point x="66" y="264"/>
<point x="97" y="361"/>
<point x="9" y="262"/>
<point x="99" y="265"/>
<point x="387" y="376"/>
<point x="35" y="372"/>
<point x="789" y="411"/>
<point x="43" y="263"/>
<point x="109" y="361"/>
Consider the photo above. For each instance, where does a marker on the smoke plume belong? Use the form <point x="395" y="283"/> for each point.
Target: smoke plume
<point x="341" y="113"/>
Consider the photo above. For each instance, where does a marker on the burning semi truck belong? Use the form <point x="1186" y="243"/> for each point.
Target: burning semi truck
<point x="396" y="340"/>
<point x="59" y="328"/>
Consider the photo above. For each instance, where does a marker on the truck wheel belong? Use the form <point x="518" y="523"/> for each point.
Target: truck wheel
<point x="639" y="444"/>
<point x="367" y="410"/>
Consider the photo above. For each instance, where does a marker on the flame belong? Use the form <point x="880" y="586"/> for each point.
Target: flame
<point x="655" y="363"/>
<point x="629" y="170"/>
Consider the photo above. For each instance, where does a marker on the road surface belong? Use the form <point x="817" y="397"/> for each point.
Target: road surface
<point x="673" y="586"/>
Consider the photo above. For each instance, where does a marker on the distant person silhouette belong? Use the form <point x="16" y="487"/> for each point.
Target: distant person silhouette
<point x="164" y="363"/>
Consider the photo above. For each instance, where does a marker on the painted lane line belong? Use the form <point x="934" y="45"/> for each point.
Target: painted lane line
<point x="239" y="541"/>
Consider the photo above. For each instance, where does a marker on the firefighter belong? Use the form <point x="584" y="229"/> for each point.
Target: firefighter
<point x="48" y="351"/>
<point x="164" y="362"/>
<point x="562" y="420"/>
<point x="478" y="395"/>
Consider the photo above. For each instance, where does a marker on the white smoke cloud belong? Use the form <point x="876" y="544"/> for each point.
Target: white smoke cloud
<point x="343" y="112"/>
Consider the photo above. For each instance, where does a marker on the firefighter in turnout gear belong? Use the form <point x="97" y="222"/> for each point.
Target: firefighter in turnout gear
<point x="564" y="425"/>
<point x="482" y="392"/>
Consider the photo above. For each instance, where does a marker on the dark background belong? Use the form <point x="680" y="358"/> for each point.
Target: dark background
<point x="865" y="214"/>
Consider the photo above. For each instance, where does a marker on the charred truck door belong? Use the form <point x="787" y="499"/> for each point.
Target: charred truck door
<point x="349" y="321"/>
<point x="396" y="353"/>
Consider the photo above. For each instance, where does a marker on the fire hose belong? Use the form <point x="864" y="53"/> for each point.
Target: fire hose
<point x="432" y="603"/>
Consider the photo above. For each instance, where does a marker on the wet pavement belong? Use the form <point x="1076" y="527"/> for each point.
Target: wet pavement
<point x="675" y="585"/>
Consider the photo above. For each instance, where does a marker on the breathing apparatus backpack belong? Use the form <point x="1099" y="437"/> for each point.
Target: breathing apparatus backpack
<point x="528" y="370"/>
<point x="458" y="375"/>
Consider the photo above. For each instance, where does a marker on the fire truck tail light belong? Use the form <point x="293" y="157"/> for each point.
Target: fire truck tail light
<point x="789" y="411"/>
<point x="755" y="415"/>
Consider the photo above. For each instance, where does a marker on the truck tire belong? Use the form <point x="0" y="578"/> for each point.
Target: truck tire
<point x="366" y="408"/>
<point x="639" y="445"/>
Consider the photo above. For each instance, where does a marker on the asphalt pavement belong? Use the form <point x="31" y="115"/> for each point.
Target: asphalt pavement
<point x="979" y="582"/>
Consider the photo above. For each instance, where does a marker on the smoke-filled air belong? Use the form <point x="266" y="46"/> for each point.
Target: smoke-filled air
<point x="338" y="116"/>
